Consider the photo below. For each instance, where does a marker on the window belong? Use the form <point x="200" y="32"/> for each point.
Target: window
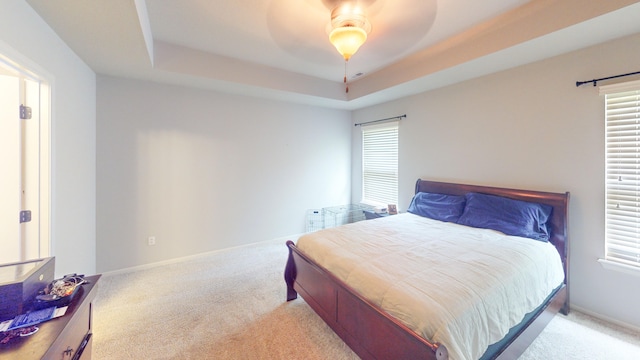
<point x="380" y="163"/>
<point x="622" y="139"/>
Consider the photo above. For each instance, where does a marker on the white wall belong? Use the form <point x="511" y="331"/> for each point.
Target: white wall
<point x="528" y="127"/>
<point x="201" y="170"/>
<point x="27" y="39"/>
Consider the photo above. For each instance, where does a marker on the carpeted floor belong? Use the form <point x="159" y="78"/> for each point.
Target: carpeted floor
<point x="231" y="305"/>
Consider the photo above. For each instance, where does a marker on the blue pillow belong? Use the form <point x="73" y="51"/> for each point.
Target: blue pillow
<point x="437" y="206"/>
<point x="511" y="217"/>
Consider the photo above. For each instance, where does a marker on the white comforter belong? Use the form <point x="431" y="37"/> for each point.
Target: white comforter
<point x="456" y="285"/>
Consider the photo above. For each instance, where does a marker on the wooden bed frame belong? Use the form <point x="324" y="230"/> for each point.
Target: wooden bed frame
<point x="373" y="334"/>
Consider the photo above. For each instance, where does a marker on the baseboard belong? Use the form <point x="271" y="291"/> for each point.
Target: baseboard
<point x="604" y="318"/>
<point x="127" y="270"/>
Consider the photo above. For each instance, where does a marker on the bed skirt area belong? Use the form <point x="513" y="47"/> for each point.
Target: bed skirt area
<point x="512" y="345"/>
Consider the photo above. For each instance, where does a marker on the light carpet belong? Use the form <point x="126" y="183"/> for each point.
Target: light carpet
<point x="231" y="305"/>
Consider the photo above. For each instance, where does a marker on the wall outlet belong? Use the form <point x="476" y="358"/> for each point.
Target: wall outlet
<point x="151" y="240"/>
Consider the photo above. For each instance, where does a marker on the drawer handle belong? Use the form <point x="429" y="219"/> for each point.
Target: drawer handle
<point x="68" y="352"/>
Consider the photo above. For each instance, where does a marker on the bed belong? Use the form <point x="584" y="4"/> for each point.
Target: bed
<point x="370" y="319"/>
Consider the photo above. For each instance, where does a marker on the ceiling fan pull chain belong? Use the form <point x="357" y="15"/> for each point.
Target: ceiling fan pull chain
<point x="345" y="76"/>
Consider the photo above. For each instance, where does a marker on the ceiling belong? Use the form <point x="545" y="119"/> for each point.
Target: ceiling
<point x="279" y="49"/>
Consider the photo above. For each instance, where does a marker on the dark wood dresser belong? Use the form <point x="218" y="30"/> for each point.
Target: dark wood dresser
<point x="68" y="337"/>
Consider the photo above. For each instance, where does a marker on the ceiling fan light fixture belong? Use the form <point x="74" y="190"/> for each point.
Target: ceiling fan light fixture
<point x="347" y="40"/>
<point x="349" y="28"/>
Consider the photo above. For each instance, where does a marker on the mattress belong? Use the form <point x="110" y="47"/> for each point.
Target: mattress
<point x="456" y="285"/>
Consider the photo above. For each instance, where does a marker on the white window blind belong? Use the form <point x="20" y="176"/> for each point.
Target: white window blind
<point x="622" y="218"/>
<point x="380" y="163"/>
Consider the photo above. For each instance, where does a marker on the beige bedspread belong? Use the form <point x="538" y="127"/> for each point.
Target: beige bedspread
<point x="456" y="285"/>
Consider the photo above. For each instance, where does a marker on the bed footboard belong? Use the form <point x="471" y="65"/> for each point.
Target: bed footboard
<point x="290" y="274"/>
<point x="368" y="331"/>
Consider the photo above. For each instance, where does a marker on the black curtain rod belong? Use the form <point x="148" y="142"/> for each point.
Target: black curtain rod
<point x="595" y="81"/>
<point x="380" y="120"/>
